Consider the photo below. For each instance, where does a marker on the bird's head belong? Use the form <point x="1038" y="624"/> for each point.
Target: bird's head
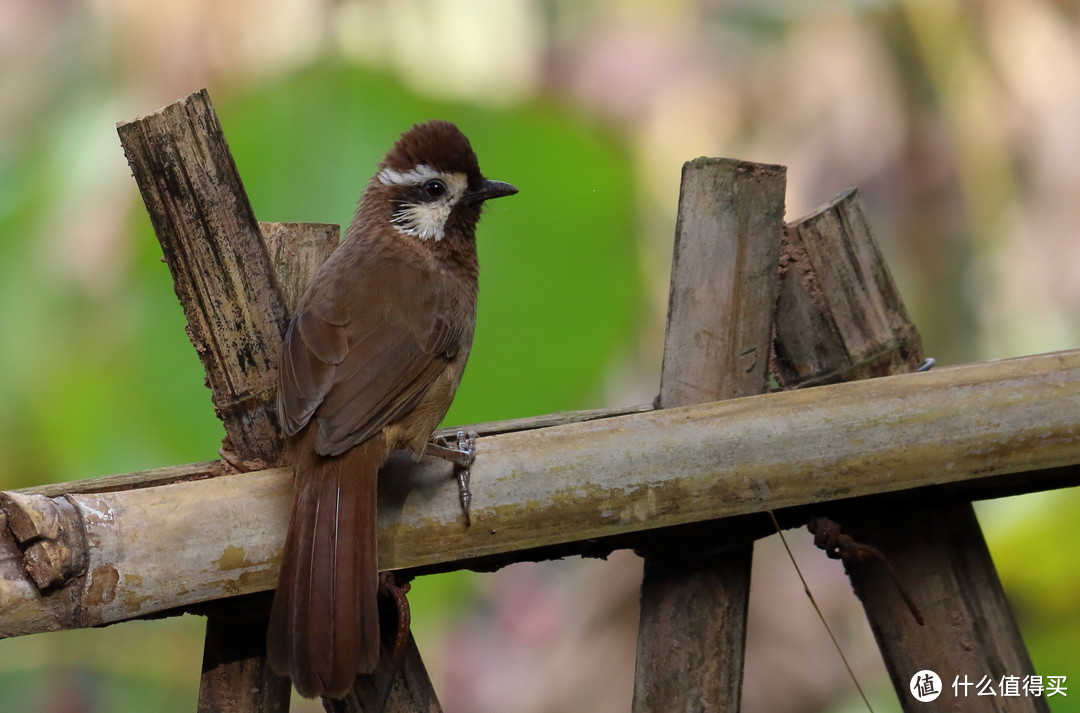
<point x="431" y="182"/>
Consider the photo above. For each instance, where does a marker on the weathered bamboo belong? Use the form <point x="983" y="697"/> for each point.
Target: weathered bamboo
<point x="840" y="317"/>
<point x="211" y="469"/>
<point x="692" y="630"/>
<point x="220" y="267"/>
<point x="296" y="251"/>
<point x="236" y="315"/>
<point x="175" y="545"/>
<point x="166" y="475"/>
<point x="395" y="686"/>
<point x="235" y="677"/>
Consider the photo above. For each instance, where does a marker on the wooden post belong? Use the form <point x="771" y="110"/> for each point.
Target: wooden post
<point x="220" y="267"/>
<point x="723" y="284"/>
<point x="840" y="317"/>
<point x="394" y="687"/>
<point x="235" y="677"/>
<point x="236" y="317"/>
<point x="296" y="251"/>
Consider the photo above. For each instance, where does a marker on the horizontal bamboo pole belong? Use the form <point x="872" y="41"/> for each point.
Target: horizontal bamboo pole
<point x="214" y="468"/>
<point x="158" y="548"/>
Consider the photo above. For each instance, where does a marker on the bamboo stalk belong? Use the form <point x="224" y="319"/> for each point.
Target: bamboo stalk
<point x="236" y="312"/>
<point x="214" y="468"/>
<point x="694" y="601"/>
<point x="220" y="267"/>
<point x="841" y="317"/>
<point x="175" y="545"/>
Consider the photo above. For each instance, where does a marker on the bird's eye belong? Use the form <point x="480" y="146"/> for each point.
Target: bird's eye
<point x="434" y="188"/>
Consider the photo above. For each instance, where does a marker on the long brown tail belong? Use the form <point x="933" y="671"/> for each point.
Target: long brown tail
<point x="324" y="624"/>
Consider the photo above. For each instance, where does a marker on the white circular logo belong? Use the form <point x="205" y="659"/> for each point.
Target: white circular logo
<point x="925" y="686"/>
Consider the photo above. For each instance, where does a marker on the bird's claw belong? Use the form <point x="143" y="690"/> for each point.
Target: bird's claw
<point x="461" y="451"/>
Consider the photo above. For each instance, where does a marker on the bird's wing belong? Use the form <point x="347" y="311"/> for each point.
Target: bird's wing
<point x="364" y="359"/>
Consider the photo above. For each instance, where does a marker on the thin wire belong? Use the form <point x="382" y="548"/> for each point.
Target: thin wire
<point x="806" y="588"/>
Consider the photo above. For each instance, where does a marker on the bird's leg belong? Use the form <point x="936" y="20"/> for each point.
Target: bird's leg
<point x="461" y="451"/>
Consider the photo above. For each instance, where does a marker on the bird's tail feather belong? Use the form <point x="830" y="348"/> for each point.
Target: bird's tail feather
<point x="324" y="624"/>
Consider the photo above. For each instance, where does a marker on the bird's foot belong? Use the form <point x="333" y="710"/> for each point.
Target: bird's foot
<point x="461" y="451"/>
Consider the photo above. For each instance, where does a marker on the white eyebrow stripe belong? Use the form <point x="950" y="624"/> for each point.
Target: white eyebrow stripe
<point x="415" y="177"/>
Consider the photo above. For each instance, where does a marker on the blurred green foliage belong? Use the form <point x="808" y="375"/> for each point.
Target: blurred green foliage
<point x="1041" y="576"/>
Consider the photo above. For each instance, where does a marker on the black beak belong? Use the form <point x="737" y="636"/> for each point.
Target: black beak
<point x="488" y="189"/>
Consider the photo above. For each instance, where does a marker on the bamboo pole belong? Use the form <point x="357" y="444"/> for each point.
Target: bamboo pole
<point x="214" y="468"/>
<point x="221" y="271"/>
<point x="723" y="284"/>
<point x="236" y="316"/>
<point x="160" y="548"/>
<point x="840" y="317"/>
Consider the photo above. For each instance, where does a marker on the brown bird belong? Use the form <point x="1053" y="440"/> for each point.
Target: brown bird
<point x="370" y="363"/>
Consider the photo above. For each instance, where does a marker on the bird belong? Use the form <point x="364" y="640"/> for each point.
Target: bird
<point x="370" y="363"/>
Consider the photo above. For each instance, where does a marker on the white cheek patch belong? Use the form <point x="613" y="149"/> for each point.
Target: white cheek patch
<point x="426" y="219"/>
<point x="423" y="220"/>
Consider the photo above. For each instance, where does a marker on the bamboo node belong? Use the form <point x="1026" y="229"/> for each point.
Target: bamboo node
<point x="50" y="534"/>
<point x="30" y="516"/>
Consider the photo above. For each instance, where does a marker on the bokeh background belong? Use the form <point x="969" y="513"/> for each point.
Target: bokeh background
<point x="959" y="121"/>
